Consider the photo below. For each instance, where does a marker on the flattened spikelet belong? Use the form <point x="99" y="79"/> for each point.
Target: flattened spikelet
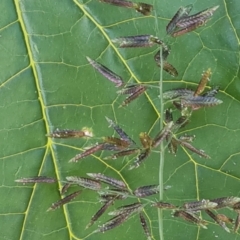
<point x="64" y="200"/>
<point x="111" y="181"/>
<point x="130" y="89"/>
<point x="112" y="147"/>
<point x="226" y="201"/>
<point x="187" y="29"/>
<point x="67" y="133"/>
<point x="173" y="146"/>
<point x="203" y="82"/>
<point x="122" y="153"/>
<point x="199" y="101"/>
<point x="200" y="17"/>
<point x="117" y="142"/>
<point x="181" y="13"/>
<point x="214" y="217"/>
<point x="175" y="93"/>
<point x="65" y="188"/>
<point x="166" y="66"/>
<point x="108" y="197"/>
<point x="84" y="182"/>
<point x="100" y="212"/>
<point x="127" y="209"/>
<point x="178" y="105"/>
<point x="113" y="222"/>
<point x="163" y="134"/>
<point x="201" y="153"/>
<point x="119" y="131"/>
<point x="107" y="73"/>
<point x="170" y="69"/>
<point x="37" y="179"/>
<point x="181" y="122"/>
<point x="140" y="158"/>
<point x="168" y="115"/>
<point x="146" y="190"/>
<point x="237" y="223"/>
<point x="145" y="140"/>
<point x="133" y="96"/>
<point x="190" y="23"/>
<point x="199" y="205"/>
<point x="144" y="8"/>
<point x="190" y="217"/>
<point x="165" y="53"/>
<point x="224" y="218"/>
<point x="236" y="206"/>
<point x="145" y="226"/>
<point x="136" y="41"/>
<point x="88" y="152"/>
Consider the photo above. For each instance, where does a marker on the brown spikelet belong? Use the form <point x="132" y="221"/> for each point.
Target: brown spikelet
<point x="144" y="8"/>
<point x="145" y="140"/>
<point x="173" y="146"/>
<point x="113" y="222"/>
<point x="117" y="142"/>
<point x="84" y="182"/>
<point x="133" y="96"/>
<point x="201" y="153"/>
<point x="181" y="13"/>
<point x="190" y="217"/>
<point x="68" y="133"/>
<point x="136" y="41"/>
<point x="64" y="200"/>
<point x="130" y="89"/>
<point x="163" y="134"/>
<point x="225" y="201"/>
<point x="199" y="205"/>
<point x="237" y="223"/>
<point x="65" y="188"/>
<point x="87" y="152"/>
<point x="187" y="29"/>
<point x="140" y="158"/>
<point x="122" y="153"/>
<point x="37" y="179"/>
<point x="217" y="220"/>
<point x="224" y="218"/>
<point x="145" y="226"/>
<point x="175" y="93"/>
<point x="109" y="180"/>
<point x="146" y="190"/>
<point x="107" y="73"/>
<point x="203" y="82"/>
<point x="100" y="212"/>
<point x="127" y="209"/>
<point x="168" y="115"/>
<point x="201" y="17"/>
<point x="120" y="131"/>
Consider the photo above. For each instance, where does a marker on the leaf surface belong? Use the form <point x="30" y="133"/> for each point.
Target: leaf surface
<point x="47" y="83"/>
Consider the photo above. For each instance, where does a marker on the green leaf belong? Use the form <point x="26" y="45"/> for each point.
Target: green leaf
<point x="47" y="83"/>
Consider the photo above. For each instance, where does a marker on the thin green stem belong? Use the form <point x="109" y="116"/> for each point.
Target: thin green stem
<point x="161" y="161"/>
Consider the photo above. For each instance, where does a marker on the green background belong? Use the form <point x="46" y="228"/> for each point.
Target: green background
<point x="47" y="83"/>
